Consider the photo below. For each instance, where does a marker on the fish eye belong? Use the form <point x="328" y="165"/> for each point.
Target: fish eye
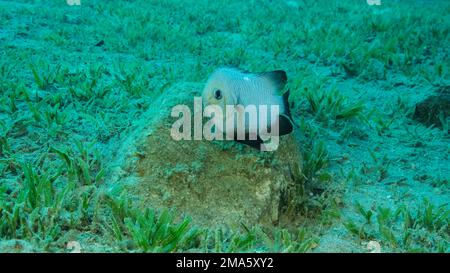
<point x="218" y="94"/>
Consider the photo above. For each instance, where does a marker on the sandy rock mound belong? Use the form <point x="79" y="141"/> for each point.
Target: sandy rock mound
<point x="216" y="183"/>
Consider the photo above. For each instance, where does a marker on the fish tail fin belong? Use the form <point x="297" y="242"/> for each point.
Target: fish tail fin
<point x="286" y="122"/>
<point x="286" y="104"/>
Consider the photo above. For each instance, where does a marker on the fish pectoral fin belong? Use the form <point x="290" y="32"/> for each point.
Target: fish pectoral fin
<point x="285" y="125"/>
<point x="277" y="78"/>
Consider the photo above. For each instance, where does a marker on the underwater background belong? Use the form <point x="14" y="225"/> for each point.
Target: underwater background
<point x="87" y="163"/>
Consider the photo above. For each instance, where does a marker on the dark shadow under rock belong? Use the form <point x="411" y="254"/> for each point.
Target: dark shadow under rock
<point x="435" y="109"/>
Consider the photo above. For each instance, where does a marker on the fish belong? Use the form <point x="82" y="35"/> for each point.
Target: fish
<point x="233" y="86"/>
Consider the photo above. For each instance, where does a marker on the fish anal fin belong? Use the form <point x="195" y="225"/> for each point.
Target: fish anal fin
<point x="252" y="143"/>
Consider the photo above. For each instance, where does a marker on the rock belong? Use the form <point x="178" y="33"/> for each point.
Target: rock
<point x="217" y="183"/>
<point x="435" y="109"/>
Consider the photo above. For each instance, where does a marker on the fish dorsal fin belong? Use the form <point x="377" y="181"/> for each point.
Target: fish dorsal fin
<point x="276" y="78"/>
